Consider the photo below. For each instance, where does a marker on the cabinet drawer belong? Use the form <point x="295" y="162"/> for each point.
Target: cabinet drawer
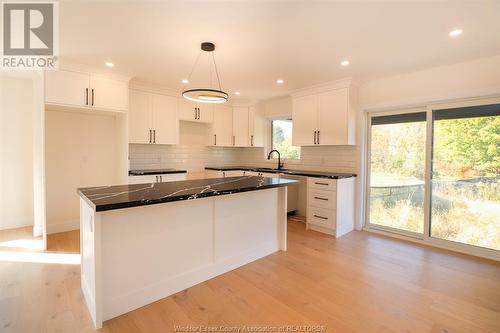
<point x="320" y="216"/>
<point x="322" y="184"/>
<point x="322" y="198"/>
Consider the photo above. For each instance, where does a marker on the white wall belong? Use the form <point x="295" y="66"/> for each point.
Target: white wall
<point x="16" y="152"/>
<point x="478" y="77"/>
<point x="81" y="151"/>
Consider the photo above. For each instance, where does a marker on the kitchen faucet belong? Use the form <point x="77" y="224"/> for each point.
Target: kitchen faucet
<point x="280" y="165"/>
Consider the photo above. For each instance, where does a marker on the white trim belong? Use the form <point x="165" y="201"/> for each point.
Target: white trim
<point x="54" y="228"/>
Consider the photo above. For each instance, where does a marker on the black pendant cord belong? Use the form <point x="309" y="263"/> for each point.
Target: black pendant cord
<point x="216" y="71"/>
<point x="194" y="66"/>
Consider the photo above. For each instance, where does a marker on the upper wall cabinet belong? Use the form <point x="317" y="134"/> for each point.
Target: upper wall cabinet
<point x="325" y="118"/>
<point x="153" y="118"/>
<point x="237" y="127"/>
<point x="256" y="127"/>
<point x="240" y="127"/>
<point x="197" y="112"/>
<point x="85" y="90"/>
<point x="221" y="131"/>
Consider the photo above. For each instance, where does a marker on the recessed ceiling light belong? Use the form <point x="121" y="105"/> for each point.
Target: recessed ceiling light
<point x="236" y="92"/>
<point x="279" y="81"/>
<point x="109" y="64"/>
<point x="455" y="33"/>
<point x="185" y="81"/>
<point x="345" y="63"/>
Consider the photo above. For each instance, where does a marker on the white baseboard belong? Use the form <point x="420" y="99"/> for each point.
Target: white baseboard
<point x="54" y="228"/>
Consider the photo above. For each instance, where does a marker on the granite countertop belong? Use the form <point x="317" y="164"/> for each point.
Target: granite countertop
<point x="105" y="198"/>
<point x="154" y="172"/>
<point x="306" y="173"/>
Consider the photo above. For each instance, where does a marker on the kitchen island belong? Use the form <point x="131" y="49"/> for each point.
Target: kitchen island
<point x="144" y="242"/>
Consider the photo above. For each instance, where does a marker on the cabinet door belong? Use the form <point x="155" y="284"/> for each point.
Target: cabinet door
<point x="305" y="120"/>
<point x="142" y="179"/>
<point x="139" y="117"/>
<point x="240" y="127"/>
<point x="205" y="113"/>
<point x="108" y="94"/>
<point x="187" y="110"/>
<point x="256" y="128"/>
<point x="222" y="128"/>
<point x="165" y="120"/>
<point x="333" y="119"/>
<point x="65" y="87"/>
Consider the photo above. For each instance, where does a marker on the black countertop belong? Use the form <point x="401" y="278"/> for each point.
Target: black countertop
<point x="124" y="196"/>
<point x="154" y="172"/>
<point x="317" y="174"/>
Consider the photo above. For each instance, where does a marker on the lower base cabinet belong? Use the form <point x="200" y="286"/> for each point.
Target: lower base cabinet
<point x="330" y="205"/>
<point x="156" y="178"/>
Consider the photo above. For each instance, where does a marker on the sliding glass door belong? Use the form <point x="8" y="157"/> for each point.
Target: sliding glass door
<point x="465" y="201"/>
<point x="454" y="155"/>
<point x="397" y="165"/>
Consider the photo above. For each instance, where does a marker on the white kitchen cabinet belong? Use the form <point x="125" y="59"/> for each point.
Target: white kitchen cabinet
<point x="153" y="118"/>
<point x="109" y="94"/>
<point x="240" y="127"/>
<point x="165" y="123"/>
<point x="196" y="112"/>
<point x="85" y="90"/>
<point x="305" y="120"/>
<point x="221" y="133"/>
<point x="159" y="178"/>
<point x="256" y="128"/>
<point x="330" y="205"/>
<point x="139" y="117"/>
<point x="146" y="179"/>
<point x="325" y="119"/>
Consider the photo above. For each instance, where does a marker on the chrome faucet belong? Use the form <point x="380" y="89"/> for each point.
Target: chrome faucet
<point x="280" y="165"/>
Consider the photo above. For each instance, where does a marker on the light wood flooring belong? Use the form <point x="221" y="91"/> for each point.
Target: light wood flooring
<point x="361" y="282"/>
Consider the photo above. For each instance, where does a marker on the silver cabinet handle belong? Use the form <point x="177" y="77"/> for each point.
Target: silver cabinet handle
<point x="199" y="114"/>
<point x="150" y="136"/>
<point x="320" y="217"/>
<point x="161" y="179"/>
<point x="154" y="136"/>
<point x="251" y="140"/>
<point x="215" y="139"/>
<point x="317" y="137"/>
<point x="324" y="184"/>
<point x="325" y="199"/>
<point x="314" y="137"/>
<point x="234" y="140"/>
<point x="86" y="96"/>
<point x="92" y="97"/>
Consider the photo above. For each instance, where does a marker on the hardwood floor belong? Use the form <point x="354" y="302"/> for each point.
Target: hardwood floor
<point x="361" y="282"/>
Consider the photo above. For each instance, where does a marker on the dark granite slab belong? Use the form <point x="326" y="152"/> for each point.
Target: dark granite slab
<point x="124" y="196"/>
<point x="317" y="174"/>
<point x="154" y="172"/>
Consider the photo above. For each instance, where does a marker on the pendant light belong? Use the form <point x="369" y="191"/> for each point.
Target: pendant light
<point x="206" y="95"/>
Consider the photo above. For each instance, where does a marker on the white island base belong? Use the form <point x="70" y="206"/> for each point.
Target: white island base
<point x="135" y="256"/>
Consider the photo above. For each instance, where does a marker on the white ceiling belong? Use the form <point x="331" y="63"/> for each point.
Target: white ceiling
<point x="260" y="41"/>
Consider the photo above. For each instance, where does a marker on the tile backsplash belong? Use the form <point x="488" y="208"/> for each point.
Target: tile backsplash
<point x="186" y="157"/>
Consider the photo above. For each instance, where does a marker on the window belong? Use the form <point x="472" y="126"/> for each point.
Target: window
<point x="397" y="165"/>
<point x="465" y="183"/>
<point x="281" y="139"/>
<point x="435" y="175"/>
